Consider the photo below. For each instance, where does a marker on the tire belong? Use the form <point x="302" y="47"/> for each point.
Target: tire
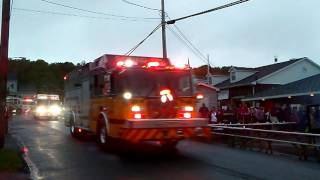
<point x="73" y="129"/>
<point x="102" y="135"/>
<point x="170" y="145"/>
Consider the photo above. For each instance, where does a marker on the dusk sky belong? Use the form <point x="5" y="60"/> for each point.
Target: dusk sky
<point x="249" y="34"/>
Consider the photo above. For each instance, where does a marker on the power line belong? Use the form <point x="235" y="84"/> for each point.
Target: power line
<point x="141" y="6"/>
<point x="191" y="44"/>
<point x="210" y="10"/>
<point x="73" y="15"/>
<point x="141" y="42"/>
<point x="95" y="12"/>
<point x="183" y="38"/>
<point x="186" y="44"/>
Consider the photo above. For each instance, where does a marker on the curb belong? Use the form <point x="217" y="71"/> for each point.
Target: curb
<point x="31" y="168"/>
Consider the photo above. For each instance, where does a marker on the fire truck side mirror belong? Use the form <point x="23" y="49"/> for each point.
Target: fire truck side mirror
<point x="77" y="85"/>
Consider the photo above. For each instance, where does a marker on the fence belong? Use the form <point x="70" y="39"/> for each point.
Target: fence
<point x="244" y="136"/>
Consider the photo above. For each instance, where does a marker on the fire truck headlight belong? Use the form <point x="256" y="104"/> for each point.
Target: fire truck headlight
<point x="187" y="115"/>
<point x="41" y="109"/>
<point x="55" y="109"/>
<point x="137" y="116"/>
<point x="127" y="95"/>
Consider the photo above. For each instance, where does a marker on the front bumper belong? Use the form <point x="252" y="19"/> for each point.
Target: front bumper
<point x="166" y="123"/>
<point x="165" y="129"/>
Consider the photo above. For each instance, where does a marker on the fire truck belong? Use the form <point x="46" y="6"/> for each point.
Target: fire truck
<point x="134" y="99"/>
<point x="48" y="106"/>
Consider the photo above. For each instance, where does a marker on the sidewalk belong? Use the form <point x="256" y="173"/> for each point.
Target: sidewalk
<point x="19" y="170"/>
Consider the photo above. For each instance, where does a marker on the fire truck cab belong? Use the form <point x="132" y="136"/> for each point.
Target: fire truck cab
<point x="134" y="99"/>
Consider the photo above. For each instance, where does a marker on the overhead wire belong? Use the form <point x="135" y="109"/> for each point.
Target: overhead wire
<point x="186" y="44"/>
<point x="141" y="6"/>
<point x="95" y="12"/>
<point x="207" y="11"/>
<point x="73" y="15"/>
<point x="183" y="38"/>
<point x="141" y="42"/>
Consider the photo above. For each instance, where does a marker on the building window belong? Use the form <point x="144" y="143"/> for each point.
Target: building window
<point x="233" y="76"/>
<point x="209" y="80"/>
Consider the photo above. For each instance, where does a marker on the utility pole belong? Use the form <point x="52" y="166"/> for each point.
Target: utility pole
<point x="163" y="23"/>
<point x="4" y="68"/>
<point x="209" y="78"/>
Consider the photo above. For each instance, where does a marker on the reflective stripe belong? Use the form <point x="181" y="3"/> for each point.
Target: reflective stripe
<point x="151" y="134"/>
<point x="131" y="134"/>
<point x="172" y="133"/>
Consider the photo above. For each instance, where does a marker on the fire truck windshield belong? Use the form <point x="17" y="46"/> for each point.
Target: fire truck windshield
<point x="146" y="83"/>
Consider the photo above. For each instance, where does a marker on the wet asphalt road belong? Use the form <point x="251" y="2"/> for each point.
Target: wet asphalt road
<point x="57" y="156"/>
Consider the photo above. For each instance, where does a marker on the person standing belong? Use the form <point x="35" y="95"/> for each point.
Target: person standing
<point x="204" y="111"/>
<point x="213" y="116"/>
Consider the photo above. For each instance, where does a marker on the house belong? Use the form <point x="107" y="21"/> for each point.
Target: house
<point x="210" y="94"/>
<point x="303" y="92"/>
<point x="244" y="82"/>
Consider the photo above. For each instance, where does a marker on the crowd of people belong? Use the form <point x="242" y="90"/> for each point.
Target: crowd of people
<point x="260" y="114"/>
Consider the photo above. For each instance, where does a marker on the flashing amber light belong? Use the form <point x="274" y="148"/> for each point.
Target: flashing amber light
<point x="200" y="96"/>
<point x="163" y="99"/>
<point x="170" y="97"/>
<point x="127" y="95"/>
<point x="135" y="108"/>
<point x="187" y="115"/>
<point x="165" y="92"/>
<point x="188" y="108"/>
<point x="137" y="116"/>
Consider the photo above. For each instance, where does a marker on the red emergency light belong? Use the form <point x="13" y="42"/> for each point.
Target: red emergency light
<point x="27" y="100"/>
<point x="153" y="64"/>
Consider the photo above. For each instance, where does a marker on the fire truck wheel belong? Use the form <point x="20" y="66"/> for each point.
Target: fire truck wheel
<point x="169" y="145"/>
<point x="73" y="129"/>
<point x="102" y="135"/>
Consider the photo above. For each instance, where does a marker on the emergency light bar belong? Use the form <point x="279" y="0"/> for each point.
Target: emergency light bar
<point x="48" y="96"/>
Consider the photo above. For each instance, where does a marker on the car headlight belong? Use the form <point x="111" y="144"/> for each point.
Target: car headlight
<point x="41" y="109"/>
<point x="55" y="110"/>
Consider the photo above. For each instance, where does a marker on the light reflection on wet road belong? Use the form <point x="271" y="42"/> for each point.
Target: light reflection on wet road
<point x="58" y="156"/>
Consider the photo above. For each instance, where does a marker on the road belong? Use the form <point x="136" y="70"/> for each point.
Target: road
<point x="57" y="156"/>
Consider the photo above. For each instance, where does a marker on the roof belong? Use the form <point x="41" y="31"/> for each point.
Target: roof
<point x="260" y="72"/>
<point x="208" y="86"/>
<point x="305" y="86"/>
<point x="242" y="68"/>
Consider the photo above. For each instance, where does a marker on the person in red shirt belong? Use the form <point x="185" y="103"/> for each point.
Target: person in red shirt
<point x="204" y="111"/>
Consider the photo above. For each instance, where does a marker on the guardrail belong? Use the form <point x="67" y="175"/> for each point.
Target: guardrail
<point x="259" y="124"/>
<point x="247" y="136"/>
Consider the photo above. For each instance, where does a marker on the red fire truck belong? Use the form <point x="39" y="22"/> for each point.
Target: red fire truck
<point x="134" y="99"/>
